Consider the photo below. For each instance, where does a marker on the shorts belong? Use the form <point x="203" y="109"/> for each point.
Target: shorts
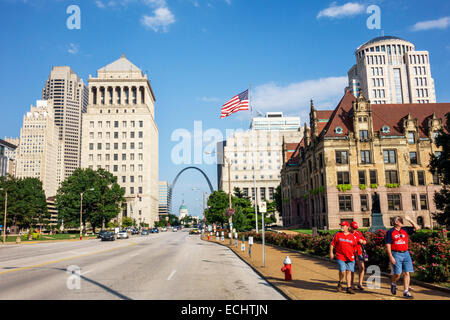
<point x="403" y="262"/>
<point x="361" y="258"/>
<point x="346" y="265"/>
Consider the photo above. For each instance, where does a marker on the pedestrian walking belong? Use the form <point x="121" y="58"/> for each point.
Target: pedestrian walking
<point x="397" y="249"/>
<point x="360" y="257"/>
<point x="345" y="244"/>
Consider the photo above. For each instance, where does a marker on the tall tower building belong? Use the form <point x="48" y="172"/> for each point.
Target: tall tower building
<point x="70" y="99"/>
<point x="389" y="70"/>
<point x="119" y="134"/>
<point x="39" y="146"/>
<point x="165" y="206"/>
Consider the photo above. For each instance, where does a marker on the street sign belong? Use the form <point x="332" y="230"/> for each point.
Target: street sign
<point x="243" y="247"/>
<point x="230" y="212"/>
<point x="209" y="228"/>
<point x="250" y="240"/>
<point x="263" y="207"/>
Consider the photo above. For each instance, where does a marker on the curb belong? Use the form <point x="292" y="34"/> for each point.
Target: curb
<point x="46" y="241"/>
<point x="255" y="270"/>
<point x="412" y="280"/>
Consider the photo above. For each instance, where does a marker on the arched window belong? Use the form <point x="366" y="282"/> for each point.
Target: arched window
<point x="142" y="90"/>
<point x="118" y="95"/>
<point x="94" y="95"/>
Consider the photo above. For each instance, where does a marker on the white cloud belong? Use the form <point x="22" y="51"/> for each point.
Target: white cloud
<point x="73" y="48"/>
<point x="335" y="11"/>
<point x="208" y="99"/>
<point x="441" y="23"/>
<point x="161" y="19"/>
<point x="295" y="97"/>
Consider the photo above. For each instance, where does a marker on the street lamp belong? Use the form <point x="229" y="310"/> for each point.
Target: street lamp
<point x="81" y="212"/>
<point x="4" y="218"/>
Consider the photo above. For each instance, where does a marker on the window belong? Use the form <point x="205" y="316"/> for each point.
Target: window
<point x="116" y="135"/>
<point x="245" y="192"/>
<point x="141" y="134"/>
<point x="394" y="203"/>
<point x="141" y="124"/>
<point x="364" y="202"/>
<point x="131" y="190"/>
<point x="343" y="177"/>
<point x="140" y="191"/>
<point x="116" y="146"/>
<point x="411" y="178"/>
<point x="345" y="203"/>
<point x="363" y="134"/>
<point x="132" y="179"/>
<point x="115" y="168"/>
<point x="116" y="157"/>
<point x="423" y="202"/>
<point x="389" y="156"/>
<point x="414" y="202"/>
<point x="99" y="146"/>
<point x="124" y="157"/>
<point x="124" y="135"/>
<point x="413" y="157"/>
<point x="365" y="156"/>
<point x="362" y="176"/>
<point x="436" y="178"/>
<point x="341" y="157"/>
<point x="263" y="193"/>
<point x="124" y="179"/>
<point x="421" y="178"/>
<point x="116" y="124"/>
<point x="366" y="222"/>
<point x="411" y="137"/>
<point x="391" y="176"/>
<point x="141" y="145"/>
<point x="124" y="145"/>
<point x="91" y="146"/>
<point x="132" y="134"/>
<point x="108" y="135"/>
<point x="373" y="176"/>
<point x="271" y="192"/>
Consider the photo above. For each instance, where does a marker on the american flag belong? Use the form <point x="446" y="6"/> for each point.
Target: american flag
<point x="237" y="103"/>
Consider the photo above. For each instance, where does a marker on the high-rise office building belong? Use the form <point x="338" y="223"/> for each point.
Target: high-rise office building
<point x="389" y="70"/>
<point x="165" y="206"/>
<point x="7" y="158"/>
<point x="260" y="149"/>
<point x="119" y="134"/>
<point x="39" y="146"/>
<point x="70" y="99"/>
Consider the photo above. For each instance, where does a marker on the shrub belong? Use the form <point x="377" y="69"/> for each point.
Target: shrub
<point x="344" y="187"/>
<point x="362" y="187"/>
<point x="374" y="185"/>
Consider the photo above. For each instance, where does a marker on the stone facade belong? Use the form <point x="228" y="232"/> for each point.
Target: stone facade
<point x="358" y="149"/>
<point x="120" y="135"/>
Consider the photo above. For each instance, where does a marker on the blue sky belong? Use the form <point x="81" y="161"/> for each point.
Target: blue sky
<point x="199" y="53"/>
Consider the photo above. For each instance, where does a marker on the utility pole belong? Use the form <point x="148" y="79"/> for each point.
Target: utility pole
<point x="4" y="216"/>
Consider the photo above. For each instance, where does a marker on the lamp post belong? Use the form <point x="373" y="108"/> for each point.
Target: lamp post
<point x="4" y="217"/>
<point x="81" y="213"/>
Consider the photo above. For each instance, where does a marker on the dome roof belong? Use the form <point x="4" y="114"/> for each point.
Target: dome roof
<point x="383" y="38"/>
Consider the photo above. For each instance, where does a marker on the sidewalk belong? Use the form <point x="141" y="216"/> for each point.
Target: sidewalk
<point x="316" y="279"/>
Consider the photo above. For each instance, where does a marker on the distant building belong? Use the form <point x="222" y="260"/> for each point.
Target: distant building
<point x="389" y="70"/>
<point x="39" y="144"/>
<point x="183" y="211"/>
<point x="355" y="150"/>
<point x="165" y="207"/>
<point x="7" y="158"/>
<point x="264" y="140"/>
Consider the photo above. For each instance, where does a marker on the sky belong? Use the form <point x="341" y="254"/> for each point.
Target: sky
<point x="198" y="54"/>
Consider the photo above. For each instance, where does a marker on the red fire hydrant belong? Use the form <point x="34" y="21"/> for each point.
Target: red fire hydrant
<point x="287" y="269"/>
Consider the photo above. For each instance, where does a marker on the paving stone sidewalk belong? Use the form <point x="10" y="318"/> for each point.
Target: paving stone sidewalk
<point x="316" y="279"/>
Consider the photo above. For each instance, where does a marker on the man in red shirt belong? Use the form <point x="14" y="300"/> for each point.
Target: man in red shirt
<point x="359" y="254"/>
<point x="345" y="244"/>
<point x="397" y="249"/>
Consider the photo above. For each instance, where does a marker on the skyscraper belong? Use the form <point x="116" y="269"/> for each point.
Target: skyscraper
<point x="70" y="99"/>
<point x="39" y="146"/>
<point x="165" y="206"/>
<point x="389" y="70"/>
<point x="119" y="134"/>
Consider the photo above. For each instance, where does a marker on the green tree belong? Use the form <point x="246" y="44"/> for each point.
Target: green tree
<point x="27" y="205"/>
<point x="278" y="200"/>
<point x="440" y="165"/>
<point x="217" y="206"/>
<point x="100" y="205"/>
<point x="127" y="222"/>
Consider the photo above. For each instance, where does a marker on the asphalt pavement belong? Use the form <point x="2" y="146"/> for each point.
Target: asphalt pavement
<point x="165" y="266"/>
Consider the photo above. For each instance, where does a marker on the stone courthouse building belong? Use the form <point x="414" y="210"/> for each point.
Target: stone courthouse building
<point x="349" y="153"/>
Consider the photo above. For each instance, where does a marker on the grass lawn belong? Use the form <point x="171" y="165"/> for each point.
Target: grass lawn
<point x="63" y="236"/>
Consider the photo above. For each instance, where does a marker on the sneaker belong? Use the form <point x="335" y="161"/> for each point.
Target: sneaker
<point x="393" y="289"/>
<point x="350" y="290"/>
<point x="339" y="287"/>
<point x="407" y="295"/>
<point x="360" y="287"/>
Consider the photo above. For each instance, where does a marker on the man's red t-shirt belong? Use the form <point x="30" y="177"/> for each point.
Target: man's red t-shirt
<point x="358" y="235"/>
<point x="398" y="239"/>
<point x="345" y="246"/>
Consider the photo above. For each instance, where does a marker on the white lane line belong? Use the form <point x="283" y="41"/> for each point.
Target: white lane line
<point x="171" y="275"/>
<point x="134" y="255"/>
<point x="87" y="272"/>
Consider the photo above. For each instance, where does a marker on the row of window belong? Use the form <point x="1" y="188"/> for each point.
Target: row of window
<point x="377" y="82"/>
<point x="116" y="135"/>
<point x="376" y="71"/>
<point x="422" y="93"/>
<point x="389" y="156"/>
<point x="116" y="168"/>
<point x="420" y="82"/>
<point x="262" y="191"/>
<point x="391" y="177"/>
<point x="393" y="200"/>
<point x="116" y="146"/>
<point x="116" y="157"/>
<point x="132" y="124"/>
<point x="418" y="59"/>
<point x="420" y="71"/>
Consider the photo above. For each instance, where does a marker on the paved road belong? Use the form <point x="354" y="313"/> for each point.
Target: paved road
<point x="168" y="265"/>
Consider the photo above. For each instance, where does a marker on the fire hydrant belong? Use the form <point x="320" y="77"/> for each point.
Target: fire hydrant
<point x="287" y="269"/>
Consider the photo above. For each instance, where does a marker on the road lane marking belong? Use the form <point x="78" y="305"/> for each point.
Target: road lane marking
<point x="171" y="275"/>
<point x="65" y="259"/>
<point x="134" y="255"/>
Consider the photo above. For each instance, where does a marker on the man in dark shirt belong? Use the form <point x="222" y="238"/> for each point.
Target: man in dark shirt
<point x="396" y="241"/>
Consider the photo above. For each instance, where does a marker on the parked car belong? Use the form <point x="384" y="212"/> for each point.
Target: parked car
<point x="145" y="232"/>
<point x="134" y="231"/>
<point x="108" y="236"/>
<point x="101" y="233"/>
<point x="155" y="230"/>
<point x="123" y="234"/>
<point x="164" y="229"/>
<point x="194" y="231"/>
<point x="174" y="229"/>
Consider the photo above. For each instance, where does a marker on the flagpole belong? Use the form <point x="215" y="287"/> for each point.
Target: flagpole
<point x="254" y="162"/>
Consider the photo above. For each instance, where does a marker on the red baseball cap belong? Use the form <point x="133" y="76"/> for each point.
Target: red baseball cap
<point x="344" y="223"/>
<point x="354" y="225"/>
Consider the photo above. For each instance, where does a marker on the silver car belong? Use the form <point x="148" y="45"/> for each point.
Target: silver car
<point x="123" y="234"/>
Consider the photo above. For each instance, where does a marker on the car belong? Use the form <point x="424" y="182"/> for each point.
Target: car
<point x="145" y="232"/>
<point x="174" y="229"/>
<point x="164" y="229"/>
<point x="155" y="230"/>
<point x="194" y="231"/>
<point x="134" y="231"/>
<point x="122" y="234"/>
<point x="101" y="233"/>
<point x="108" y="236"/>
